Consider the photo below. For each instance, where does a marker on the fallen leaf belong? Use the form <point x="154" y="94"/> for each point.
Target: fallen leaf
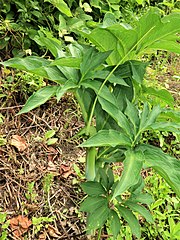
<point x="18" y="142"/>
<point x="67" y="174"/>
<point x="53" y="232"/>
<point x="65" y="171"/>
<point x="19" y="225"/>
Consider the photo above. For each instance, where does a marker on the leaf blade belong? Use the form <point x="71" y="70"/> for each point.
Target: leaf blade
<point x="38" y="98"/>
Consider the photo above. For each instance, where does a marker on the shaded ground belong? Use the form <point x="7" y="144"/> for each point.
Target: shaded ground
<point x="38" y="180"/>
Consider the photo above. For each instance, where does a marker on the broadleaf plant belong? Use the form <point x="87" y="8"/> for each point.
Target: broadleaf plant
<point x="106" y="84"/>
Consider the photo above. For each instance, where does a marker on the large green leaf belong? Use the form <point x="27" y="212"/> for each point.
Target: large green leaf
<point x="138" y="70"/>
<point x="93" y="188"/>
<point x="90" y="204"/>
<point x="144" y="115"/>
<point x="63" y="89"/>
<point x="115" y="224"/>
<point x="46" y="39"/>
<point x="67" y="62"/>
<point x="28" y="63"/>
<point x="103" y="74"/>
<point x="144" y="198"/>
<point x="140" y="209"/>
<point x="148" y="117"/>
<point x="169" y="114"/>
<point x="98" y="218"/>
<point x="85" y="99"/>
<point x="151" y="32"/>
<point x="107" y="138"/>
<point x="131" y="219"/>
<point x="162" y="94"/>
<point x="103" y="120"/>
<point x="133" y="115"/>
<point x="108" y="41"/>
<point x="130" y="175"/>
<point x="167" y="166"/>
<point x="152" y="116"/>
<point x="166" y="126"/>
<point x="38" y="98"/>
<point x="38" y="66"/>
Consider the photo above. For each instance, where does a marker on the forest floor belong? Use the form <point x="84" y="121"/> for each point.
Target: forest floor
<point x="39" y="183"/>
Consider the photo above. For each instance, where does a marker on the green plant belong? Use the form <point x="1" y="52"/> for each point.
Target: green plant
<point x="31" y="194"/>
<point x="2" y="140"/>
<point x="164" y="209"/>
<point x="3" y="226"/>
<point x="47" y="182"/>
<point x="39" y="222"/>
<point x="106" y="85"/>
<point x="49" y="137"/>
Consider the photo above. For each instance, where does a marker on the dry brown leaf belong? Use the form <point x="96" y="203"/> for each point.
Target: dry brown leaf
<point x="65" y="171"/>
<point x="18" y="142"/>
<point x="19" y="225"/>
<point x="67" y="174"/>
<point x="53" y="232"/>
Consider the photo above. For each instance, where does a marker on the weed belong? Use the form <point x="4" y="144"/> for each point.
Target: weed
<point x="4" y="224"/>
<point x="31" y="195"/>
<point x="40" y="222"/>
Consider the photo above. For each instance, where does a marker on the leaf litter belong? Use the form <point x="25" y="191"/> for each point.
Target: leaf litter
<point x="26" y="161"/>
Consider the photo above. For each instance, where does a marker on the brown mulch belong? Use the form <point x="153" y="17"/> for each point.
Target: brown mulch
<point x="26" y="158"/>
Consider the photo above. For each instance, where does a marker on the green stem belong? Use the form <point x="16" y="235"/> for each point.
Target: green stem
<point x="83" y="110"/>
<point x="99" y="234"/>
<point x="91" y="163"/>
